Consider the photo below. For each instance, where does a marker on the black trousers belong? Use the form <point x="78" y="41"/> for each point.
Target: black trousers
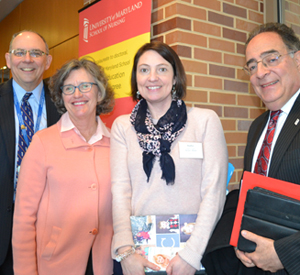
<point x="7" y="267"/>
<point x="89" y="267"/>
<point x="117" y="268"/>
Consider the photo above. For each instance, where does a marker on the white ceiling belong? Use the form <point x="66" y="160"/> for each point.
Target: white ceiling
<point x="7" y="6"/>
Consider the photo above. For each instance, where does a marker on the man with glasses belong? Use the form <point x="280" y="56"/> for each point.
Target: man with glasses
<point x="273" y="64"/>
<point x="25" y="107"/>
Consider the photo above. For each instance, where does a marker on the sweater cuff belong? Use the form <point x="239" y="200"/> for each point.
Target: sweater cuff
<point x="191" y="257"/>
<point x="120" y="240"/>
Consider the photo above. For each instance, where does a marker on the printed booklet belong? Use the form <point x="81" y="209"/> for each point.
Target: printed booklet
<point x="158" y="238"/>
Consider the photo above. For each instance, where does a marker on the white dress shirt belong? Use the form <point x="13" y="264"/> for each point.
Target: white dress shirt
<point x="280" y="122"/>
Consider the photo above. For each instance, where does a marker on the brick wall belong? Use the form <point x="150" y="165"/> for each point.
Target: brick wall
<point x="292" y="14"/>
<point x="209" y="37"/>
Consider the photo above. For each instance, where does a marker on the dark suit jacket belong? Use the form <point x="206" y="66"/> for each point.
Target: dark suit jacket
<point x="7" y="159"/>
<point x="285" y="165"/>
<point x="220" y="258"/>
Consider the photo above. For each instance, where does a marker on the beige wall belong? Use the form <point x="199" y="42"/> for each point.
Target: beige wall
<point x="208" y="35"/>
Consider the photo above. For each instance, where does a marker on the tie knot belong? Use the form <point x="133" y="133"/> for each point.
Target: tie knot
<point x="26" y="96"/>
<point x="275" y="115"/>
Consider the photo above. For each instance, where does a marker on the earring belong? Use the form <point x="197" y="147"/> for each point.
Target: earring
<point x="174" y="96"/>
<point x="138" y="95"/>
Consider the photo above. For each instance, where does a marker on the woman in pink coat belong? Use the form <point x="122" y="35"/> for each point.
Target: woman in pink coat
<point x="63" y="220"/>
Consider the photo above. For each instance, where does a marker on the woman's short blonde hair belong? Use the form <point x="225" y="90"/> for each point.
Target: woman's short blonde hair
<point x="105" y="105"/>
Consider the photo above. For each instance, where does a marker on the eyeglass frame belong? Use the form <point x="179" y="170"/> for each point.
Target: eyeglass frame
<point x="28" y="51"/>
<point x="74" y="87"/>
<point x="246" y="68"/>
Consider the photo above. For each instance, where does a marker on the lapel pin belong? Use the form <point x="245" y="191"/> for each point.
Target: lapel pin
<point x="296" y="122"/>
<point x="23" y="126"/>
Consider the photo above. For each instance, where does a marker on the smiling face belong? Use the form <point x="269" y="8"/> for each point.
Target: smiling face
<point x="155" y="78"/>
<point x="28" y="71"/>
<point x="81" y="106"/>
<point x="274" y="85"/>
<point x="160" y="259"/>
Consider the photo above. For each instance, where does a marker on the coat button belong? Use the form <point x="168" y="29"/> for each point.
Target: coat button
<point x="93" y="186"/>
<point x="94" y="231"/>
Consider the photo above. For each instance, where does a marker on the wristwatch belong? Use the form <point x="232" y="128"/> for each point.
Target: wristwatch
<point x="124" y="255"/>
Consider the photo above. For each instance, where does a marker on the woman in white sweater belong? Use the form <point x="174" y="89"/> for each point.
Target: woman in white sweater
<point x="165" y="159"/>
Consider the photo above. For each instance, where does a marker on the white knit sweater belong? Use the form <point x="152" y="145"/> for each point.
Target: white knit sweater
<point x="199" y="188"/>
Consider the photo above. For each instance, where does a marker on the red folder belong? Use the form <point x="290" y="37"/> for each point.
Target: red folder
<point x="251" y="180"/>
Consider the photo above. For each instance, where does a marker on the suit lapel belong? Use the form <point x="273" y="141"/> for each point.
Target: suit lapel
<point x="287" y="134"/>
<point x="7" y="119"/>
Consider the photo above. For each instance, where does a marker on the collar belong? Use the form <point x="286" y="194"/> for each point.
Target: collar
<point x="288" y="106"/>
<point x="20" y="92"/>
<point x="67" y="125"/>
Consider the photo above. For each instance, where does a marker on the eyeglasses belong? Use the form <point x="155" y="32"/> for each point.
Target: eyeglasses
<point x="33" y="53"/>
<point x="270" y="60"/>
<point x="83" y="87"/>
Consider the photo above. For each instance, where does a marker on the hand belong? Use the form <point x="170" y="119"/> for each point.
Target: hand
<point x="178" y="266"/>
<point x="244" y="259"/>
<point x="264" y="257"/>
<point x="135" y="264"/>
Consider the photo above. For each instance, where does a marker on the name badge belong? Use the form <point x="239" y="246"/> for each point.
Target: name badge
<point x="193" y="150"/>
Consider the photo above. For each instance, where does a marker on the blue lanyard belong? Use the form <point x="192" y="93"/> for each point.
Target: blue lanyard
<point x="39" y="117"/>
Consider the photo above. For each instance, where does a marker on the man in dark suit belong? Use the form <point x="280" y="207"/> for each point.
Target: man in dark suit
<point x="28" y="58"/>
<point x="273" y="63"/>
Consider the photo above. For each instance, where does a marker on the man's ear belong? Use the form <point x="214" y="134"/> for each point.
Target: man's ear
<point x="297" y="59"/>
<point x="48" y="61"/>
<point x="7" y="58"/>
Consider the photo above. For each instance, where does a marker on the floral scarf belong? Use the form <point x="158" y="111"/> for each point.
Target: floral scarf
<point x="156" y="140"/>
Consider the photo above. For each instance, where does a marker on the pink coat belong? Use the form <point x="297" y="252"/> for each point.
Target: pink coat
<point x="63" y="206"/>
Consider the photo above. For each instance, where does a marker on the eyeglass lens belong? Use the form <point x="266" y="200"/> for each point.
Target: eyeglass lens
<point x="32" y="53"/>
<point x="84" y="87"/>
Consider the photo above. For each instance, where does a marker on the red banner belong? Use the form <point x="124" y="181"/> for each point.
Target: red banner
<point x="111" y="32"/>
